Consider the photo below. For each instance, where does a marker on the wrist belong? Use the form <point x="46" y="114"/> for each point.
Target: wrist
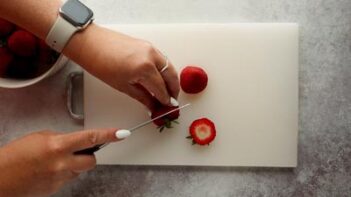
<point x="76" y="46"/>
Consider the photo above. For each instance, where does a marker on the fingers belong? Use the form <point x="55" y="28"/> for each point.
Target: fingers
<point x="155" y="84"/>
<point x="139" y="93"/>
<point x="170" y="75"/>
<point x="86" y="139"/>
<point x="82" y="163"/>
<point x="70" y="175"/>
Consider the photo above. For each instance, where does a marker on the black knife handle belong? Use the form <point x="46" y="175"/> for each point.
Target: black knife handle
<point x="88" y="151"/>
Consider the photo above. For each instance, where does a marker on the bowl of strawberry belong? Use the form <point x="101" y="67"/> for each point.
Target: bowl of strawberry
<point x="24" y="58"/>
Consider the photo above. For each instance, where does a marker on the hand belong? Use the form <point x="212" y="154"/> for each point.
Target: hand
<point x="130" y="65"/>
<point x="42" y="162"/>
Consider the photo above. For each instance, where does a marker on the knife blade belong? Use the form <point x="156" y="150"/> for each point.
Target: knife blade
<point x="90" y="151"/>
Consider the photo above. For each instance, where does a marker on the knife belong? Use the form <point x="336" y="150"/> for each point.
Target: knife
<point x="92" y="150"/>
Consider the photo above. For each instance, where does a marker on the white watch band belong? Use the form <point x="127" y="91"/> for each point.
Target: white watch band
<point x="60" y="34"/>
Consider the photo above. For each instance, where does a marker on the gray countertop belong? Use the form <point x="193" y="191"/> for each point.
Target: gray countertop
<point x="324" y="162"/>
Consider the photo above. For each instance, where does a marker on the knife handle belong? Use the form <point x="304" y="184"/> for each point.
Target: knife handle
<point x="88" y="151"/>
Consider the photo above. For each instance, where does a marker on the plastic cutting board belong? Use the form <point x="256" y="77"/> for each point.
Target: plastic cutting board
<point x="252" y="96"/>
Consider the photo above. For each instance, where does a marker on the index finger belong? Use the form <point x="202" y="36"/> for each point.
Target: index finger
<point x="89" y="138"/>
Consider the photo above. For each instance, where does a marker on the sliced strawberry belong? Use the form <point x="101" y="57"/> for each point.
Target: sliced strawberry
<point x="193" y="79"/>
<point x="6" y="58"/>
<point x="202" y="131"/>
<point x="166" y="121"/>
<point x="6" y="28"/>
<point x="22" y="43"/>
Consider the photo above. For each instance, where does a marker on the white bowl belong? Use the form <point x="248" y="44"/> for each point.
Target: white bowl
<point x="20" y="83"/>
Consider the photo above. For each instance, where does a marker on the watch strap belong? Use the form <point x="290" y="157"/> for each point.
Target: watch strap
<point x="60" y="34"/>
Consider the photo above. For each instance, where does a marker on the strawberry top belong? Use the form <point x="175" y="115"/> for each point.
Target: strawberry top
<point x="166" y="120"/>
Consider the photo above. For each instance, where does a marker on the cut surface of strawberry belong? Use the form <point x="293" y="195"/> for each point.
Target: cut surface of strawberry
<point x="202" y="131"/>
<point x="166" y="121"/>
<point x="193" y="79"/>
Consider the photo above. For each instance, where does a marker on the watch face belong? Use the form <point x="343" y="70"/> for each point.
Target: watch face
<point x="76" y="13"/>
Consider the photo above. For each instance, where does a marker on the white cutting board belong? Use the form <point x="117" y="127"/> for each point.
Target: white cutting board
<point x="252" y="96"/>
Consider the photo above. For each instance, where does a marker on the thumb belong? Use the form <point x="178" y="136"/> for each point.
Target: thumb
<point x="89" y="138"/>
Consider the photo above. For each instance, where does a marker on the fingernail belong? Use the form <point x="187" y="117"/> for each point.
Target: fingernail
<point x="122" y="134"/>
<point x="148" y="111"/>
<point x="174" y="102"/>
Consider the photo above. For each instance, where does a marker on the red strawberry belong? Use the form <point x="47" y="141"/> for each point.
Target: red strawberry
<point x="22" y="43"/>
<point x="193" y="79"/>
<point x="22" y="68"/>
<point x="6" y="27"/>
<point x="202" y="131"/>
<point x="166" y="121"/>
<point x="6" y="58"/>
<point x="45" y="56"/>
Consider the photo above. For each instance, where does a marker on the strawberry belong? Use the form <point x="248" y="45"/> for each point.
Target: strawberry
<point x="193" y="79"/>
<point x="202" y="131"/>
<point x="6" y="27"/>
<point x="6" y="58"/>
<point x="21" y="68"/>
<point x="45" y="54"/>
<point x="166" y="121"/>
<point x="22" y="43"/>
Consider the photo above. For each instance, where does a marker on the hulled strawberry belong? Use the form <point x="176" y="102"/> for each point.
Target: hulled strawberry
<point x="193" y="79"/>
<point x="202" y="131"/>
<point x="6" y="28"/>
<point x="166" y="121"/>
<point x="6" y="58"/>
<point x="22" y="43"/>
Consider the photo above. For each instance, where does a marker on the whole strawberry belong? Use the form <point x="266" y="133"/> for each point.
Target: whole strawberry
<point x="21" y="68"/>
<point x="166" y="121"/>
<point x="6" y="58"/>
<point x="22" y="43"/>
<point x="193" y="79"/>
<point x="44" y="54"/>
<point x="6" y="28"/>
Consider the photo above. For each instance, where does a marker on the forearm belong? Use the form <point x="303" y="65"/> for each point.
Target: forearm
<point x="38" y="16"/>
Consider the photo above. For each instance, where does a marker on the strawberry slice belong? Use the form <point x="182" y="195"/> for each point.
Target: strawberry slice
<point x="202" y="131"/>
<point x="166" y="121"/>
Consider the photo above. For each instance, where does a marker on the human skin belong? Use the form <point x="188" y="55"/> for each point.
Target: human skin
<point x="40" y="163"/>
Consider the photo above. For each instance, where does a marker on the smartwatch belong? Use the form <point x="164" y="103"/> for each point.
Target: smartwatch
<point x="73" y="16"/>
